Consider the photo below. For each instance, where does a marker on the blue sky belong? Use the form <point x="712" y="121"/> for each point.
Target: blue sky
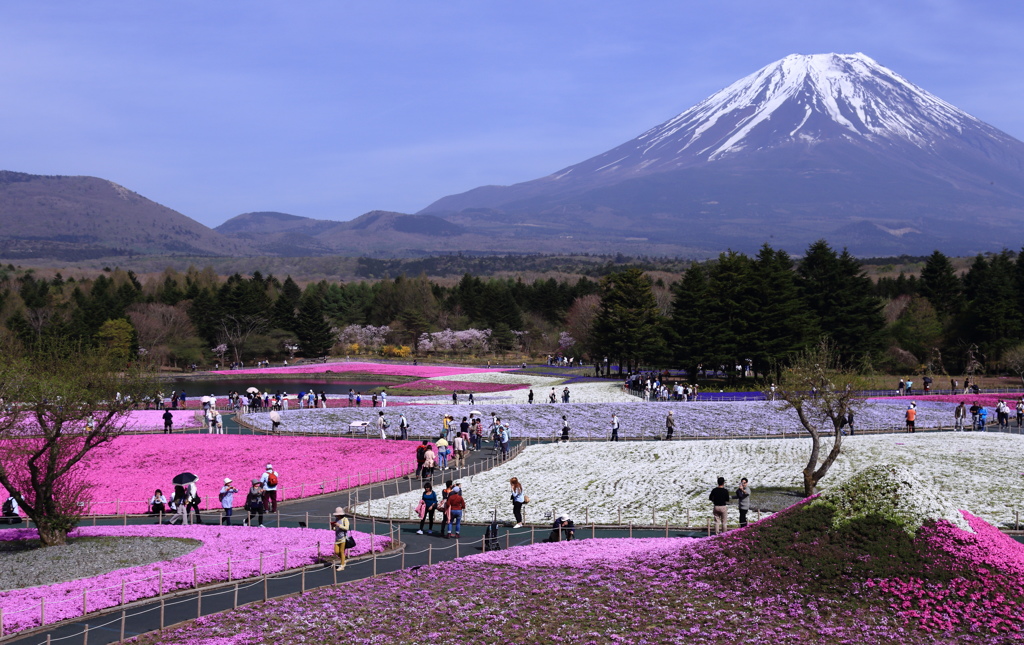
<point x="331" y="109"/>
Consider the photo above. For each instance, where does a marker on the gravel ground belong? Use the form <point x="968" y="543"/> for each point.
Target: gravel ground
<point x="25" y="564"/>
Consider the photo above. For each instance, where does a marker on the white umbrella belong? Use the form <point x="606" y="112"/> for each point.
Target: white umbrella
<point x="208" y="399"/>
<point x="476" y="412"/>
<point x="253" y="390"/>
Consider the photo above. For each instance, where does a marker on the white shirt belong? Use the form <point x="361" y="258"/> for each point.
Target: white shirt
<point x="265" y="479"/>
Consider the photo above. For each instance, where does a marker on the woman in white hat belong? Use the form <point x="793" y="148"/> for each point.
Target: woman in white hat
<point x="227" y="501"/>
<point x="340" y="524"/>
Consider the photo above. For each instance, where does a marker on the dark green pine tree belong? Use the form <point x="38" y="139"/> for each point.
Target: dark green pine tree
<point x="993" y="320"/>
<point x="783" y="324"/>
<point x="941" y="286"/>
<point x="628" y="325"/>
<point x="315" y="334"/>
<point x="728" y="313"/>
<point x="282" y="314"/>
<point x="687" y="335"/>
<point x="291" y="292"/>
<point x="842" y="299"/>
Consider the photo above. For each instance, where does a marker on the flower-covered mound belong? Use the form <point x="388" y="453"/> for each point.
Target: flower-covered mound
<point x="604" y="482"/>
<point x="125" y="472"/>
<point x="206" y="564"/>
<point x="803" y="576"/>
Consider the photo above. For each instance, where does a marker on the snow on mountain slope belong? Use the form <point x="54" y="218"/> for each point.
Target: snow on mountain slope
<point x="799" y="100"/>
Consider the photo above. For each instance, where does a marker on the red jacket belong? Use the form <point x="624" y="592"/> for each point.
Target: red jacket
<point x="456" y="503"/>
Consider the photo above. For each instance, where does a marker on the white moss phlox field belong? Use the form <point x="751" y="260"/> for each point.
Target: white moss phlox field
<point x="979" y="473"/>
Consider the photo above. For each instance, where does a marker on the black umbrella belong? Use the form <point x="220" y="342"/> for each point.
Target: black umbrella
<point x="184" y="478"/>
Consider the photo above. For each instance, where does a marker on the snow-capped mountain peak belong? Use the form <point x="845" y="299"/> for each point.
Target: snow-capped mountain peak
<point x="809" y="98"/>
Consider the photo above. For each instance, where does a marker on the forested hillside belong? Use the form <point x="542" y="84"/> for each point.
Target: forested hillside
<point x="735" y="310"/>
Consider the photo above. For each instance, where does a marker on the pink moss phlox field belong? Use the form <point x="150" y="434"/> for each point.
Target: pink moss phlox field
<point x="241" y="544"/>
<point x="421" y="371"/>
<point x="435" y="386"/>
<point x="674" y="591"/>
<point x="986" y="598"/>
<point x="135" y="421"/>
<point x="610" y="553"/>
<point x="131" y="467"/>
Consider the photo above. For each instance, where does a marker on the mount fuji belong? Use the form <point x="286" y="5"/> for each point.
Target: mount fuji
<point x="832" y="146"/>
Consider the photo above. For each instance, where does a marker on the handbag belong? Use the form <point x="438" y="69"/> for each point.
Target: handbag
<point x="526" y="499"/>
<point x="350" y="542"/>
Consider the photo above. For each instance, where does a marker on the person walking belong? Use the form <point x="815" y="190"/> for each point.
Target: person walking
<point x="670" y="426"/>
<point x="429" y="461"/>
<point x="982" y="418"/>
<point x="615" y="427"/>
<point x="959" y="414"/>
<point x="911" y="416"/>
<point x="504" y="439"/>
<point x="442" y="454"/>
<point x="529" y="397"/>
<point x="340" y="524"/>
<point x="455" y="397"/>
<point x="849" y="421"/>
<point x="193" y="500"/>
<point x="720" y="499"/>
<point x="254" y="504"/>
<point x="427" y="507"/>
<point x="351" y="398"/>
<point x="743" y="501"/>
<point x="518" y="499"/>
<point x="1020" y="412"/>
<point x="382" y="425"/>
<point x="565" y="429"/>
<point x="269" y="480"/>
<point x="455" y="506"/>
<point x="383" y="399"/>
<point x="168" y="420"/>
<point x="219" y="420"/>
<point x="227" y="501"/>
<point x="179" y="504"/>
<point x="421" y="454"/>
<point x="403" y="426"/>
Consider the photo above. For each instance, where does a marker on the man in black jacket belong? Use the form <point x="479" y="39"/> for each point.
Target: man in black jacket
<point x="720" y="498"/>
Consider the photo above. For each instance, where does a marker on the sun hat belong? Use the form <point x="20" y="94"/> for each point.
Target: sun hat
<point x="227" y="480"/>
<point x="269" y="467"/>
<point x="339" y="511"/>
<point x="256" y="481"/>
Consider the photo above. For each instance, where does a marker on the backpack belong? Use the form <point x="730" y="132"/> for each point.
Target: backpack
<point x="8" y="508"/>
<point x="386" y="424"/>
<point x="272" y="479"/>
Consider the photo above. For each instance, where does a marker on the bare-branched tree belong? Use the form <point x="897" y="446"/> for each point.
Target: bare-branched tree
<point x="237" y="329"/>
<point x="823" y="393"/>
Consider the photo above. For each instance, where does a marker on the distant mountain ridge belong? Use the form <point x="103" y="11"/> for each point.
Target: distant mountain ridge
<point x="76" y="218"/>
<point x="832" y="146"/>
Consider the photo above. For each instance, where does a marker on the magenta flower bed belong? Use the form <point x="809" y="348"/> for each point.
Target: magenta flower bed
<point x="421" y="371"/>
<point x="609" y="554"/>
<point x="127" y="470"/>
<point x="434" y="386"/>
<point x="207" y="563"/>
<point x="997" y="562"/>
<point x="137" y="421"/>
